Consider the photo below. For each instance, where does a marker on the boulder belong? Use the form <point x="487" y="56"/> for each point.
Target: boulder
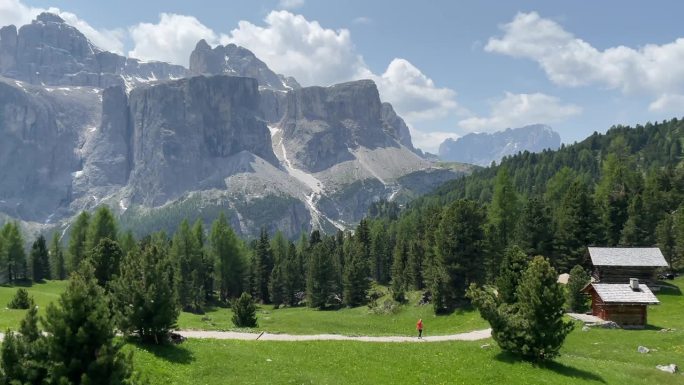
<point x="671" y="368"/>
<point x="643" y="349"/>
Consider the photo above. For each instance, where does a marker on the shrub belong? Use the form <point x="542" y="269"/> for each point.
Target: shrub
<point x="576" y="300"/>
<point x="21" y="300"/>
<point x="244" y="311"/>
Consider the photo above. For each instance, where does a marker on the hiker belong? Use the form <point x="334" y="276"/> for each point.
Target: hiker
<point x="419" y="326"/>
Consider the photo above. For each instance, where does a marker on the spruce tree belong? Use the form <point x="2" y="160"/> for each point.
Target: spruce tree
<point x="40" y="266"/>
<point x="576" y="300"/>
<point x="321" y="285"/>
<point x="295" y="281"/>
<point x="278" y="277"/>
<point x="578" y="226"/>
<point x="503" y="211"/>
<point x="77" y="242"/>
<point x="355" y="278"/>
<point x="398" y="283"/>
<point x="128" y="242"/>
<point x="535" y="229"/>
<point x="81" y="336"/>
<point x="678" y="224"/>
<point x="207" y="260"/>
<point x="513" y="266"/>
<point x="102" y="225"/>
<point x="414" y="267"/>
<point x="635" y="232"/>
<point x="57" y="262"/>
<point x="106" y="259"/>
<point x="262" y="267"/>
<point x="379" y="253"/>
<point x="14" y="264"/>
<point x="186" y="255"/>
<point x="23" y="356"/>
<point x="228" y="254"/>
<point x="244" y="312"/>
<point x="145" y="295"/>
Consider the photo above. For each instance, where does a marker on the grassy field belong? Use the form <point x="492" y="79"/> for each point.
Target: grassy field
<point x="597" y="356"/>
<point x="42" y="293"/>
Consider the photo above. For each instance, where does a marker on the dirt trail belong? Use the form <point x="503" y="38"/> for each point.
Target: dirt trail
<point x="470" y="336"/>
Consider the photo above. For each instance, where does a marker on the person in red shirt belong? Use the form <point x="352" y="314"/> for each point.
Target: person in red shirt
<point x="419" y="326"/>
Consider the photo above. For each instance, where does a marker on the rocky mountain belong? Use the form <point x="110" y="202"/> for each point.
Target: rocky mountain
<point x="483" y="149"/>
<point x="81" y="127"/>
<point x="51" y="52"/>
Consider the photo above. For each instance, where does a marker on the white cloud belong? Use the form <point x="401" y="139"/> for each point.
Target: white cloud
<point x="292" y="45"/>
<point x="517" y="110"/>
<point x="290" y="4"/>
<point x="17" y="13"/>
<point x="570" y="61"/>
<point x="671" y="103"/>
<point x="362" y="20"/>
<point x="172" y="39"/>
<point x="430" y="141"/>
<point x="413" y="94"/>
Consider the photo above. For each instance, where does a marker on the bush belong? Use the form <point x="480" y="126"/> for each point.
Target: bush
<point x="244" y="311"/>
<point x="533" y="326"/>
<point x="388" y="307"/>
<point x="21" y="300"/>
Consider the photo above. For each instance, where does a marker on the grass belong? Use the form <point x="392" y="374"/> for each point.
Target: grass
<point x="42" y="293"/>
<point x="355" y="321"/>
<point x="598" y="356"/>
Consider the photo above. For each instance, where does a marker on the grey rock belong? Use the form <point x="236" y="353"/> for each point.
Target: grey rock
<point x="483" y="149"/>
<point x="395" y="126"/>
<point x="671" y="368"/>
<point x="643" y="349"/>
<point x="485" y="346"/>
<point x="585" y="328"/>
<point x="610" y="325"/>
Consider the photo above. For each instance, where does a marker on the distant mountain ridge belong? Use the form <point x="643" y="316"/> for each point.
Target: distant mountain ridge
<point x="81" y="127"/>
<point x="483" y="148"/>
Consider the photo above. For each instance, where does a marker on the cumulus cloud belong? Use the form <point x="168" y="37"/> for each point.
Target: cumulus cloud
<point x="290" y="4"/>
<point x="413" y="93"/>
<point x="17" y="13"/>
<point x="516" y="110"/>
<point x="171" y="39"/>
<point x="430" y="141"/>
<point x="672" y="103"/>
<point x="571" y="61"/>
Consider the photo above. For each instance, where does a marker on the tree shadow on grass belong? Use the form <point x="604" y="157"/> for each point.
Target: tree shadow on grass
<point x="667" y="288"/>
<point x="556" y="367"/>
<point x="176" y="354"/>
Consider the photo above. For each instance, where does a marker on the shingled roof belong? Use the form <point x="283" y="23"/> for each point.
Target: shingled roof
<point x="627" y="256"/>
<point x="623" y="293"/>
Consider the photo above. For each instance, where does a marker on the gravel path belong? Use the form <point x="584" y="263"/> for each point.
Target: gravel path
<point x="470" y="336"/>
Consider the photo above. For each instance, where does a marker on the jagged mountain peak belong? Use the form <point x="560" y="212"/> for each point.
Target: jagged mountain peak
<point x="48" y="17"/>
<point x="484" y="148"/>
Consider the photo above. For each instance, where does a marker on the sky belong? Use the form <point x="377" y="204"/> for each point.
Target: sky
<point x="449" y="67"/>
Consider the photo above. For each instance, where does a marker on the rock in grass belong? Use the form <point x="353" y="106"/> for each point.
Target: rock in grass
<point x="672" y="368"/>
<point x="643" y="349"/>
<point x="585" y="328"/>
<point x="485" y="346"/>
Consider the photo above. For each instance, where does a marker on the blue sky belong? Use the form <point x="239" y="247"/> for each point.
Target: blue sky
<point x="448" y="67"/>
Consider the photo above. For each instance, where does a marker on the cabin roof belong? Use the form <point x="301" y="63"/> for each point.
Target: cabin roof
<point x="623" y="293"/>
<point x="627" y="256"/>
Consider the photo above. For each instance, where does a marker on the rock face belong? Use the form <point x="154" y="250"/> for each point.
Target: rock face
<point x="49" y="51"/>
<point x="184" y="130"/>
<point x="81" y="127"/>
<point x="483" y="149"/>
<point x="237" y="61"/>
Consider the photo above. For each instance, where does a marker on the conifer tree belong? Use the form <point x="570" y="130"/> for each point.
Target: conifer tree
<point x="77" y="242"/>
<point x="106" y="259"/>
<point x="262" y="267"/>
<point x="128" y="242"/>
<point x="414" y="268"/>
<point x="40" y="266"/>
<point x="355" y="278"/>
<point x="379" y="253"/>
<point x="398" y="283"/>
<point x="678" y="228"/>
<point x="228" y="255"/>
<point x="101" y="225"/>
<point x="14" y="257"/>
<point x="23" y="356"/>
<point x="145" y="294"/>
<point x="244" y="312"/>
<point x="513" y="266"/>
<point x="576" y="300"/>
<point x="295" y="281"/>
<point x="635" y="232"/>
<point x="186" y="255"/>
<point x="535" y="229"/>
<point x="503" y="211"/>
<point x="578" y="225"/>
<point x="80" y="336"/>
<point x="57" y="262"/>
<point x="208" y="261"/>
<point x="321" y="284"/>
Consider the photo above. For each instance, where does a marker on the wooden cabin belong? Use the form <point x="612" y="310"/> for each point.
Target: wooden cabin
<point x="626" y="304"/>
<point x="619" y="264"/>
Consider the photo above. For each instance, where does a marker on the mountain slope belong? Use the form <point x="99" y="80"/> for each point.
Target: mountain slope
<point x="483" y="149"/>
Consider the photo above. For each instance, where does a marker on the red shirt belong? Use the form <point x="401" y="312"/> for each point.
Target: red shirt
<point x="419" y="325"/>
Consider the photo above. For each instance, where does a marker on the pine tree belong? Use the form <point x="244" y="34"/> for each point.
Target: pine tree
<point x="678" y="229"/>
<point x="398" y="283"/>
<point x="102" y="225"/>
<point x="77" y="242"/>
<point x="145" y="294"/>
<point x="355" y="278"/>
<point x="228" y="255"/>
<point x="80" y="336"/>
<point x="414" y="268"/>
<point x="208" y="261"/>
<point x="379" y="253"/>
<point x="263" y="265"/>
<point x="23" y="356"/>
<point x="128" y="242"/>
<point x="278" y="277"/>
<point x="57" y="262"/>
<point x="578" y="226"/>
<point x="635" y="232"/>
<point x="244" y="312"/>
<point x="186" y="255"/>
<point x="14" y="264"/>
<point x="321" y="285"/>
<point x="106" y="259"/>
<point x="459" y="243"/>
<point x="535" y="229"/>
<point x="613" y="194"/>
<point x="513" y="266"/>
<point x="503" y="212"/>
<point x="40" y="266"/>
<point x="295" y="281"/>
<point x="579" y="278"/>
